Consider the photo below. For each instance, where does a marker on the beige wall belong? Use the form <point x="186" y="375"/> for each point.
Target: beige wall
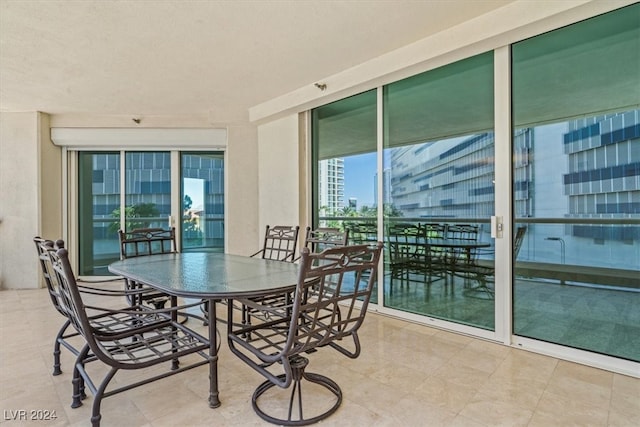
<point x="30" y="183"/>
<point x="241" y="209"/>
<point x="278" y="174"/>
<point x="50" y="178"/>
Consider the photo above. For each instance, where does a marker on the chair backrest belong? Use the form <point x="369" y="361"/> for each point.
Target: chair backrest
<point x="43" y="246"/>
<point x="434" y="231"/>
<point x="333" y="292"/>
<point x="280" y="243"/>
<point x="462" y="232"/>
<point x="147" y="241"/>
<point x="69" y="295"/>
<point x="404" y="239"/>
<point x="362" y="233"/>
<point x="518" y="239"/>
<point x="325" y="237"/>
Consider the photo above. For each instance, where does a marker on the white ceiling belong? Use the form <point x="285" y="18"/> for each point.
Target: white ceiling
<point x="215" y="58"/>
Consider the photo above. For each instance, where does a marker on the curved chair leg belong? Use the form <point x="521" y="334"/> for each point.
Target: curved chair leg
<point x="298" y="365"/>
<point x="77" y="381"/>
<point x="56" y="348"/>
<point x="97" y="399"/>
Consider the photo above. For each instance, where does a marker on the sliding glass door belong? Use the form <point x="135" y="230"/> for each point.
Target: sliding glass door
<point x="561" y="170"/>
<point x="345" y="168"/>
<point x="147" y="190"/>
<point x="437" y="172"/>
<point x="150" y="200"/>
<point x="438" y="158"/>
<point x="202" y="195"/>
<point x="98" y="211"/>
<point x="576" y="98"/>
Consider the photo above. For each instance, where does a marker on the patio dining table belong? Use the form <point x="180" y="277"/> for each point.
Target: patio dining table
<point x="211" y="277"/>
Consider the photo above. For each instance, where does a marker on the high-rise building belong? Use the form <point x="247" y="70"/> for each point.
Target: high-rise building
<point x="330" y="185"/>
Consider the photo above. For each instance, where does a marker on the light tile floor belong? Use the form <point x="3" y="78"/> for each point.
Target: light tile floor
<point x="407" y="375"/>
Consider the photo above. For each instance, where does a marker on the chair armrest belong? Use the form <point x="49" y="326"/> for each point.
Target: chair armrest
<point x="115" y="279"/>
<point x="92" y="290"/>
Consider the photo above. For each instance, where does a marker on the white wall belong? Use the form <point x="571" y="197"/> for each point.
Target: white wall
<point x="278" y="175"/>
<point x="30" y="183"/>
<point x="241" y="210"/>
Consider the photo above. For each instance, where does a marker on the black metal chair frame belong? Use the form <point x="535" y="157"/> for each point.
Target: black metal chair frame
<point x="321" y="238"/>
<point x="438" y="257"/>
<point x="362" y="233"/>
<point x="482" y="271"/>
<point x="146" y="242"/>
<point x="134" y="337"/>
<point x="403" y="241"/>
<point x="65" y="334"/>
<point x="461" y="232"/>
<point x="411" y="258"/>
<point x="326" y="311"/>
<point x="280" y="243"/>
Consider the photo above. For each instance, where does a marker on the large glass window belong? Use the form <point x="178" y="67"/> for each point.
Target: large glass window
<point x="345" y="167"/>
<point x="574" y="160"/>
<point x="203" y="201"/>
<point x="439" y="193"/>
<point x="148" y="201"/>
<point x="98" y="199"/>
<point x="147" y="190"/>
<point x="576" y="94"/>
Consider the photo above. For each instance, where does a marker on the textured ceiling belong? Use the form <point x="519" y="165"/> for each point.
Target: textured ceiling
<point x="215" y="58"/>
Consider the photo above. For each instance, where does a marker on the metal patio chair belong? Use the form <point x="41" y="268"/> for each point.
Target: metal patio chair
<point x="362" y="232"/>
<point x="402" y="250"/>
<point x="66" y="334"/>
<point x="146" y="242"/>
<point x="280" y="243"/>
<point x="134" y="337"/>
<point x="322" y="238"/>
<point x="329" y="305"/>
<point x="462" y="233"/>
<point x="482" y="270"/>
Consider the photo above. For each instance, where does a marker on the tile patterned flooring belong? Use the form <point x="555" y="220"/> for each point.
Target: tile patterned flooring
<point x="407" y="375"/>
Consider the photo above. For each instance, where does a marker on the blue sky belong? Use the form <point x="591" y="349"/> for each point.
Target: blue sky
<point x="359" y="176"/>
